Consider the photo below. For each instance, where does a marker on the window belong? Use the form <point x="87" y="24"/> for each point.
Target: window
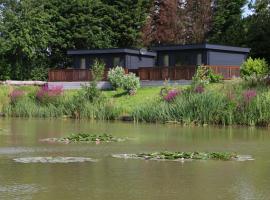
<point x="83" y="63"/>
<point x="166" y="59"/>
<point x="116" y="61"/>
<point x="199" y="59"/>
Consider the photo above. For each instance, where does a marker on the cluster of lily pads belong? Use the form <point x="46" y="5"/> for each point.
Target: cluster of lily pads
<point x="178" y="156"/>
<point x="85" y="137"/>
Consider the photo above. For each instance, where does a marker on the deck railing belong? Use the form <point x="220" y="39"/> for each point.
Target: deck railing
<point x="145" y="73"/>
<point x="73" y="75"/>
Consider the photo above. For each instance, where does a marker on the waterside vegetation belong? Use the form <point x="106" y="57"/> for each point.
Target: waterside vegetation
<point x="182" y="156"/>
<point x="84" y="138"/>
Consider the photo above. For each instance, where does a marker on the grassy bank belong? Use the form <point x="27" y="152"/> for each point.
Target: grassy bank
<point x="229" y="103"/>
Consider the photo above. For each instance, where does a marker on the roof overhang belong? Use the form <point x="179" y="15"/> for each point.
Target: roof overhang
<point x="201" y="46"/>
<point x="112" y="51"/>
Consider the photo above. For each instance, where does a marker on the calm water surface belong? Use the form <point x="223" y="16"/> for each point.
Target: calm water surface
<point x="116" y="179"/>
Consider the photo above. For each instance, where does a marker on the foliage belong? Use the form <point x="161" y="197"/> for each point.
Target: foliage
<point x="116" y="77"/>
<point x="254" y="70"/>
<point x="91" y="92"/>
<point x="39" y="74"/>
<point x="98" y="70"/>
<point x="235" y="105"/>
<point x="15" y="95"/>
<point x="205" y="75"/>
<point x="83" y="137"/>
<point x="259" y="31"/>
<point x="177" y="22"/>
<point x="47" y="95"/>
<point x="178" y="156"/>
<point x="131" y="83"/>
<point x="169" y="95"/>
<point x="227" y="26"/>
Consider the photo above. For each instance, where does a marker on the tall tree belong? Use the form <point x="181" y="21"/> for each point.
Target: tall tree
<point x="25" y="30"/>
<point x="177" y="21"/>
<point x="259" y="30"/>
<point x="227" y="24"/>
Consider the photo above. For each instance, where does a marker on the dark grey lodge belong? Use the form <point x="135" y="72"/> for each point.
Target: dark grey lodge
<point x="174" y="62"/>
<point x="198" y="54"/>
<point x="127" y="58"/>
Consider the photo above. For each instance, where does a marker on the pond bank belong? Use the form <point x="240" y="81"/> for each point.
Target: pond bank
<point x="235" y="105"/>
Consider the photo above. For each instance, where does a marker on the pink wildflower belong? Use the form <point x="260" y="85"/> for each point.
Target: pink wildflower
<point x="199" y="89"/>
<point x="171" y="95"/>
<point x="15" y="95"/>
<point x="46" y="93"/>
<point x="249" y="95"/>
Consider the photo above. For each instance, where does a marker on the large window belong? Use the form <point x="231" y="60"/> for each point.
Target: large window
<point x="166" y="60"/>
<point x="199" y="59"/>
<point x="83" y="63"/>
<point x="117" y="61"/>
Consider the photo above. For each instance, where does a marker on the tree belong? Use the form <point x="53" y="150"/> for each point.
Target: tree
<point x="259" y="30"/>
<point x="177" y="22"/>
<point x="25" y="30"/>
<point x="227" y="27"/>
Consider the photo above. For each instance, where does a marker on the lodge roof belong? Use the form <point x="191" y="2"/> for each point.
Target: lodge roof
<point x="201" y="46"/>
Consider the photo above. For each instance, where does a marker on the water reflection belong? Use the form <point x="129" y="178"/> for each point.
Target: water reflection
<point x="131" y="179"/>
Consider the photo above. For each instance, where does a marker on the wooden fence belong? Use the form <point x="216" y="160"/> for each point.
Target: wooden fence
<point x="228" y="72"/>
<point x="145" y="73"/>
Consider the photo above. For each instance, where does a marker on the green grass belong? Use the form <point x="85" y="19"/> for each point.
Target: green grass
<point x="128" y="103"/>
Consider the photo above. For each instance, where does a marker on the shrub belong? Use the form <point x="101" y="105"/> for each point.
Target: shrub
<point x="116" y="77"/>
<point x="91" y="92"/>
<point x="205" y="75"/>
<point x="98" y="70"/>
<point x="39" y="74"/>
<point x="254" y="70"/>
<point x="131" y="83"/>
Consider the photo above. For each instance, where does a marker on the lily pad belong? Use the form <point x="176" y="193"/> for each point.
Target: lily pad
<point x="84" y="138"/>
<point x="54" y="160"/>
<point x="183" y="156"/>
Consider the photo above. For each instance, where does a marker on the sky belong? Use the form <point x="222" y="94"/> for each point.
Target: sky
<point x="247" y="11"/>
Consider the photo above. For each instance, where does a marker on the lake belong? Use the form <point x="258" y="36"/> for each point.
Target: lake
<point x="117" y="179"/>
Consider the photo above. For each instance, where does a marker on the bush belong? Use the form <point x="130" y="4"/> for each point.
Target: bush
<point x="254" y="70"/>
<point x="131" y="83"/>
<point x="116" y="77"/>
<point x="119" y="79"/>
<point x="92" y="93"/>
<point x="39" y="74"/>
<point x="205" y="75"/>
<point x="98" y="70"/>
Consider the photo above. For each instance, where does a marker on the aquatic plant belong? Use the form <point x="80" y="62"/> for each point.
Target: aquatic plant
<point x="85" y="137"/>
<point x="181" y="156"/>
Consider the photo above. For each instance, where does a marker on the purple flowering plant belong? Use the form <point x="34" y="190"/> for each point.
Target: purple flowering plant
<point x="15" y="95"/>
<point x="249" y="95"/>
<point x="46" y="94"/>
<point x="171" y="95"/>
<point x="199" y="89"/>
